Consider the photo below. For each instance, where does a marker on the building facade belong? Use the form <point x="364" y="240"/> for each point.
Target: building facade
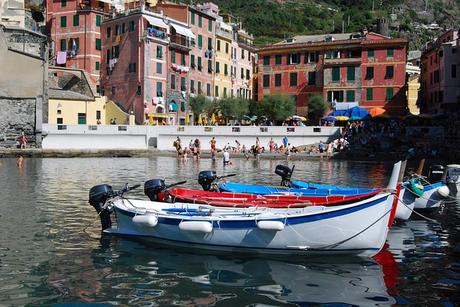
<point x="75" y="30"/>
<point x="345" y="69"/>
<point x="224" y="65"/>
<point x="440" y="77"/>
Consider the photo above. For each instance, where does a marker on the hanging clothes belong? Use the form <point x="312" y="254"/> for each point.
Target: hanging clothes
<point x="61" y="57"/>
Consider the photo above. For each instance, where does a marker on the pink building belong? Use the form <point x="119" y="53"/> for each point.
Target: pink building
<point x="74" y="27"/>
<point x="134" y="72"/>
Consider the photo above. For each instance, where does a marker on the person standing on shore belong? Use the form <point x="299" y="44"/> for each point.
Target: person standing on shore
<point x="197" y="149"/>
<point x="226" y="158"/>
<point x="177" y="144"/>
<point x="288" y="151"/>
<point x="213" y="148"/>
<point x="23" y="140"/>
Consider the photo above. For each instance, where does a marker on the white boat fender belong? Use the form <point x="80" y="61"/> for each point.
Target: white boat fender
<point x="444" y="191"/>
<point x="196" y="226"/>
<point x="270" y="225"/>
<point x="148" y="220"/>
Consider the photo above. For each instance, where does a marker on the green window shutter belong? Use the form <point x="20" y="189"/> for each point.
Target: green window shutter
<point x="311" y="78"/>
<point x="192" y="60"/>
<point x="216" y="91"/>
<point x="173" y="56"/>
<point x="278" y="59"/>
<point x="182" y="59"/>
<point x="63" y="3"/>
<point x="390" y="52"/>
<point x="277" y="80"/>
<point x="98" y="66"/>
<point x="350" y="96"/>
<point x="200" y="21"/>
<point x="210" y="25"/>
<point x="217" y="67"/>
<point x="225" y="69"/>
<point x="389" y="93"/>
<point x="63" y="21"/>
<point x="98" y="20"/>
<point x="200" y="41"/>
<point x="192" y="18"/>
<point x="370" y="53"/>
<point x="350" y="73"/>
<point x="209" y="43"/>
<point x="335" y="74"/>
<point x="63" y="45"/>
<point x="76" y="20"/>
<point x="266" y="60"/>
<point x="369" y="94"/>
<point x="293" y="79"/>
<point x="266" y="81"/>
<point x="98" y="44"/>
<point x="218" y="45"/>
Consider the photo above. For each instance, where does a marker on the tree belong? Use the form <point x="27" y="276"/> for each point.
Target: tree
<point x="316" y="108"/>
<point x="256" y="108"/>
<point x="200" y="104"/>
<point x="278" y="107"/>
<point x="233" y="107"/>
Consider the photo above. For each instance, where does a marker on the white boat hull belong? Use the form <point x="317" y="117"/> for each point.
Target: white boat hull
<point x="357" y="229"/>
<point x="405" y="205"/>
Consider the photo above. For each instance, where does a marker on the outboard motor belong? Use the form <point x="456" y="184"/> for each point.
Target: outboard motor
<point x="435" y="174"/>
<point x="453" y="179"/>
<point x="153" y="188"/>
<point x="206" y="178"/>
<point x="98" y="195"/>
<point x="285" y="173"/>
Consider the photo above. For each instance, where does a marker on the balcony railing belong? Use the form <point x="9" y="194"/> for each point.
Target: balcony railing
<point x="223" y="33"/>
<point x="342" y="61"/>
<point x="181" y="41"/>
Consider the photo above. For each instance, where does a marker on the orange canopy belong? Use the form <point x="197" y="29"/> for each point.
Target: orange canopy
<point x="376" y="111"/>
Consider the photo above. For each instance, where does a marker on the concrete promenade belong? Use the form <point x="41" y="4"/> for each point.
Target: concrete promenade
<point x="140" y="138"/>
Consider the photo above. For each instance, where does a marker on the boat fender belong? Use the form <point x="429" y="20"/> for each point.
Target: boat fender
<point x="443" y="191"/>
<point x="196" y="226"/>
<point x="416" y="187"/>
<point x="270" y="225"/>
<point x="149" y="220"/>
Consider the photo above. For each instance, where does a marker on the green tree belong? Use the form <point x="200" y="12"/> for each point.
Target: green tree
<point x="316" y="108"/>
<point x="278" y="107"/>
<point x="200" y="104"/>
<point x="233" y="107"/>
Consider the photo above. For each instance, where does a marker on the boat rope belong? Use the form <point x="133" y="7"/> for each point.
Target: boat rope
<point x="417" y="213"/>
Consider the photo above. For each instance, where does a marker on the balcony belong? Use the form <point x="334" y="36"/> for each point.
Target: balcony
<point x="223" y="33"/>
<point x="153" y="33"/>
<point x="340" y="61"/>
<point x="181" y="42"/>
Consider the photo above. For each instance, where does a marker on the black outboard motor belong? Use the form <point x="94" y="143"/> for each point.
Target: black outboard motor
<point x="98" y="195"/>
<point x="436" y="173"/>
<point x="153" y="187"/>
<point x="285" y="173"/>
<point x="206" y="178"/>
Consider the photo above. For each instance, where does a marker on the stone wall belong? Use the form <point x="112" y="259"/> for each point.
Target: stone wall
<point x="17" y="115"/>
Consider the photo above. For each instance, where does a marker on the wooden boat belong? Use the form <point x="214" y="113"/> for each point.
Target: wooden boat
<point x="359" y="228"/>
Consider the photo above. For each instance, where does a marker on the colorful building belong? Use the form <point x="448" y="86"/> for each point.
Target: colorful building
<point x="74" y="28"/>
<point x="224" y="65"/>
<point x="346" y="69"/>
<point x="243" y="61"/>
<point x="440" y="78"/>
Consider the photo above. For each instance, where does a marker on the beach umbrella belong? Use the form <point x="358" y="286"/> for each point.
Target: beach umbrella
<point x="339" y="113"/>
<point x="213" y="119"/>
<point x="296" y="117"/>
<point x="200" y="120"/>
<point x="376" y="111"/>
<point x="341" y="118"/>
<point x="357" y="113"/>
<point x="329" y="119"/>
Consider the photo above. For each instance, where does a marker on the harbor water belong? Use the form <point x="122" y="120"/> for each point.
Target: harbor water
<point x="52" y="251"/>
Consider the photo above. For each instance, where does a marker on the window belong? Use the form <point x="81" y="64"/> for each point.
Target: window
<point x="390" y="52"/>
<point x="266" y="60"/>
<point x="74" y="43"/>
<point x="159" y="89"/>
<point x="98" y="44"/>
<point x="199" y="88"/>
<point x="350" y="73"/>
<point x="370" y="53"/>
<point x="63" y="21"/>
<point x="210" y="25"/>
<point x="209" y="66"/>
<point x="182" y="106"/>
<point x="132" y="26"/>
<point x="98" y="65"/>
<point x="278" y="58"/>
<point x="226" y="69"/>
<point x="173" y="56"/>
<point x="200" y="21"/>
<point x="389" y="72"/>
<point x="369" y="94"/>
<point x="131" y="67"/>
<point x="109" y="31"/>
<point x="159" y="68"/>
<point x="182" y="59"/>
<point x="454" y="50"/>
<point x="208" y="89"/>
<point x="216" y="91"/>
<point x="226" y="48"/>
<point x="63" y="3"/>
<point x="218" y="45"/>
<point x="217" y="67"/>
<point x="293" y="79"/>
<point x="294" y="58"/>
<point x="192" y="61"/>
<point x="369" y="73"/>
<point x="123" y="28"/>
<point x="173" y="82"/>
<point x="98" y="20"/>
<point x="107" y="60"/>
<point x="76" y="20"/>
<point x="98" y="114"/>
<point x="200" y="66"/>
<point x="248" y="74"/>
<point x="159" y="52"/>
<point x="225" y="92"/>
<point x="453" y="72"/>
<point x="350" y="96"/>
<point x="242" y="53"/>
<point x="60" y="121"/>
<point x="242" y="73"/>
<point x="311" y="78"/>
<point x="389" y="93"/>
<point x="139" y="90"/>
<point x="63" y="45"/>
<point x="335" y="74"/>
<point x="192" y="18"/>
<point x="82" y="118"/>
<point x="335" y="96"/>
<point x="192" y="86"/>
<point x="277" y="80"/>
<point x="266" y="81"/>
<point x="200" y="41"/>
<point x="183" y="84"/>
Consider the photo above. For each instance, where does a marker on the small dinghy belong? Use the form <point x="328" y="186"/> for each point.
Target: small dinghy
<point x="359" y="228"/>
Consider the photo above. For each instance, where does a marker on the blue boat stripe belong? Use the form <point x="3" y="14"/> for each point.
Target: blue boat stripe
<point x="289" y="220"/>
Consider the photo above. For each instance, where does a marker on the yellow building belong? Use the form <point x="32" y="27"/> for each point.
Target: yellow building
<point x="413" y="86"/>
<point x="224" y="68"/>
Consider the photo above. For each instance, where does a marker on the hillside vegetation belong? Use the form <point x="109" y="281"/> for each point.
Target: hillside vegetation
<point x="271" y="20"/>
